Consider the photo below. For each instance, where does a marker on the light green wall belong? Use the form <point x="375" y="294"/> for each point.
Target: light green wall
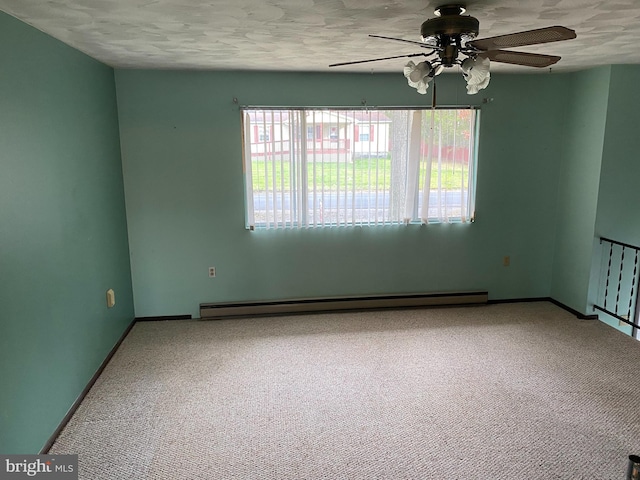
<point x="618" y="214"/>
<point x="180" y="135"/>
<point x="579" y="176"/>
<point x="598" y="182"/>
<point x="63" y="239"/>
<point x="618" y="208"/>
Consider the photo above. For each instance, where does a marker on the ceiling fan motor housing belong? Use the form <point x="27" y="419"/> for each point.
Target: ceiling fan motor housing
<point x="451" y="30"/>
<point x="464" y="26"/>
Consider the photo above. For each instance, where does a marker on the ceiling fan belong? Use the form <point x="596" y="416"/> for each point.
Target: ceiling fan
<point x="450" y="39"/>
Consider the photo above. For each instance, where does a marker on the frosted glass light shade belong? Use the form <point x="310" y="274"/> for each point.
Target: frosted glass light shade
<point x="418" y="76"/>
<point x="476" y="72"/>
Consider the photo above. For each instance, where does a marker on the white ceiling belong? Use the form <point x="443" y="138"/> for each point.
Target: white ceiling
<point x="308" y="35"/>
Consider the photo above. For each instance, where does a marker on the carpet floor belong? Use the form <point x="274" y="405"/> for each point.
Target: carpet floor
<point x="504" y="391"/>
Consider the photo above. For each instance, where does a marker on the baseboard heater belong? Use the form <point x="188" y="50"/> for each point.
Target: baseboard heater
<point x="333" y="304"/>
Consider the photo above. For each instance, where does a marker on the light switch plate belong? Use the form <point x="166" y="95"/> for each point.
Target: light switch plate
<point x="111" y="298"/>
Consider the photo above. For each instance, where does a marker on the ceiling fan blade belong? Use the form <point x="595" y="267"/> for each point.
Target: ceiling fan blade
<point x="520" y="58"/>
<point x="377" y="59"/>
<point x="413" y="42"/>
<point x="520" y="39"/>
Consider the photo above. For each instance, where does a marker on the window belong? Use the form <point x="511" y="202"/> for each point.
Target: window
<point x="374" y="167"/>
<point x="263" y="134"/>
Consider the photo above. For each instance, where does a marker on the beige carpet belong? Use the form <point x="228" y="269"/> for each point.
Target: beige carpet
<point x="498" y="392"/>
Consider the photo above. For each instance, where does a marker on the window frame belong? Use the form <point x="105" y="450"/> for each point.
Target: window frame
<point x="333" y="137"/>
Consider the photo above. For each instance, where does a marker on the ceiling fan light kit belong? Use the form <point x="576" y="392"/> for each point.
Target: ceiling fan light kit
<point x="451" y="38"/>
<point x="476" y="72"/>
<point x="418" y="76"/>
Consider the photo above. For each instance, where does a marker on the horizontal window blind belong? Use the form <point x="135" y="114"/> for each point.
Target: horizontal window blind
<point x="336" y="167"/>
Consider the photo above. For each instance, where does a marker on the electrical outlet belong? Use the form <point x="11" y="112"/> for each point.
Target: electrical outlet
<point x="506" y="261"/>
<point x="212" y="272"/>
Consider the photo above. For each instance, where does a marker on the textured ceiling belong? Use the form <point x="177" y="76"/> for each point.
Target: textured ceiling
<point x="308" y="35"/>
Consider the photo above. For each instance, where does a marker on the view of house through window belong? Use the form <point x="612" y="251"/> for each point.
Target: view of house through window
<point x="326" y="167"/>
